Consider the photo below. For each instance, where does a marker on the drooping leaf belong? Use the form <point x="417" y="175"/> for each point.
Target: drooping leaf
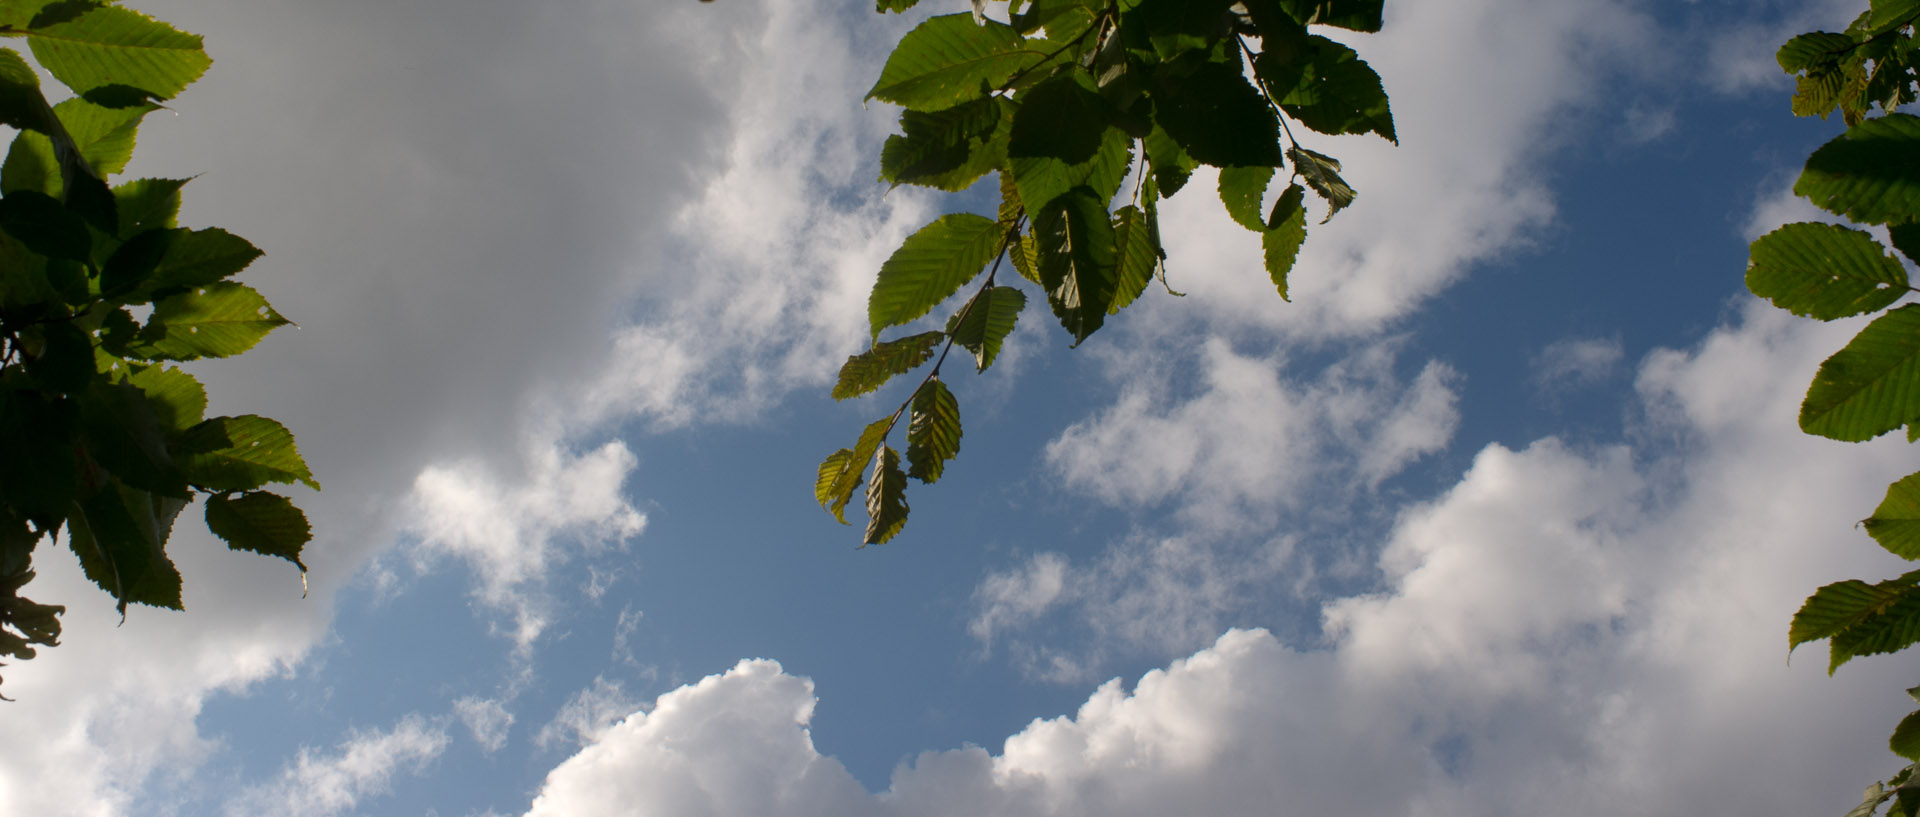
<point x="932" y="264"/>
<point x="1280" y="243"/>
<point x="1077" y="255"/>
<point x="886" y="497"/>
<point x="1241" y="190"/>
<point x="120" y="536"/>
<point x="1870" y="174"/>
<point x="949" y="149"/>
<point x="1872" y="385"/>
<point x="950" y="59"/>
<point x="1336" y="93"/>
<point x="104" y="51"/>
<point x="1138" y="258"/>
<point x="261" y="522"/>
<point x="839" y="474"/>
<point x="1041" y="179"/>
<point x="1824" y="271"/>
<point x="1322" y="173"/>
<point x="933" y="432"/>
<point x="986" y="322"/>
<point x="219" y="319"/>
<point x="161" y="259"/>
<point x="124" y="432"/>
<point x="177" y="399"/>
<point x="867" y="371"/>
<point x="241" y="453"/>
<point x="1859" y="618"/>
<point x="1217" y="117"/>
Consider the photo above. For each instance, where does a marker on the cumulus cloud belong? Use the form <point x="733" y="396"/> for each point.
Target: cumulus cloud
<point x="322" y="784"/>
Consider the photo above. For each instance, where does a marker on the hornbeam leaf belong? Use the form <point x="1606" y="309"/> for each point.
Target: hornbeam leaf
<point x="103" y="51"/>
<point x="840" y="473"/>
<point x="1322" y="173"/>
<point x="1885" y="15"/>
<point x="1870" y="174"/>
<point x="1812" y="50"/>
<point x="1824" y="271"/>
<point x="886" y="498"/>
<point x="22" y="106"/>
<point x="1859" y="618"/>
<point x="1062" y="118"/>
<point x="1041" y="179"/>
<point x="104" y="135"/>
<point x="933" y="434"/>
<point x="1872" y="385"/>
<point x="1217" y="117"/>
<point x="1896" y="523"/>
<point x="177" y="399"/>
<point x="162" y="259"/>
<point x="1894" y="627"/>
<point x="1076" y="255"/>
<point x="931" y="265"/>
<point x="950" y="59"/>
<point x="217" y="320"/>
<point x="949" y="149"/>
<point x="1337" y="93"/>
<point x="241" y="454"/>
<point x="893" y="5"/>
<point x="120" y="536"/>
<point x="1356" y="15"/>
<point x="868" y="370"/>
<point x="1170" y="162"/>
<point x="1138" y="257"/>
<point x="146" y="204"/>
<point x="126" y="432"/>
<point x="985" y="323"/>
<point x="261" y="522"/>
<point x="1241" y="190"/>
<point x="45" y="225"/>
<point x="1286" y="231"/>
<point x="1905" y="740"/>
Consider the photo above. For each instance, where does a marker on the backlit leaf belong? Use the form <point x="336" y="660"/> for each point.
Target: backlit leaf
<point x="98" y="50"/>
<point x="241" y="454"/>
<point x="177" y="399"/>
<point x="932" y="264"/>
<point x="104" y="136"/>
<point x="1280" y="243"/>
<point x="1041" y="179"/>
<point x="948" y="149"/>
<point x="1322" y="173"/>
<point x="146" y="204"/>
<point x="1137" y="256"/>
<point x="1859" y="618"/>
<point x="1905" y="740"/>
<point x="933" y="433"/>
<point x="886" y="497"/>
<point x="839" y="474"/>
<point x="1357" y="15"/>
<point x="1217" y="117"/>
<point x="1870" y="174"/>
<point x="126" y="432"/>
<point x="1241" y="190"/>
<point x="120" y="536"/>
<point x="868" y="370"/>
<point x="1824" y="271"/>
<point x="1870" y="387"/>
<point x="1337" y="93"/>
<point x="216" y="320"/>
<point x="1077" y="256"/>
<point x="950" y="59"/>
<point x="261" y="522"/>
<point x="986" y="322"/>
<point x="1170" y="162"/>
<point x="1896" y="523"/>
<point x="163" y="259"/>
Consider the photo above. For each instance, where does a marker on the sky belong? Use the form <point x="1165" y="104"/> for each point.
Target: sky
<point x="1506" y="512"/>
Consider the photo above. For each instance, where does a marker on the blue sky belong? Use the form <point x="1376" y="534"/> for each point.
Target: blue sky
<point x="1505" y="512"/>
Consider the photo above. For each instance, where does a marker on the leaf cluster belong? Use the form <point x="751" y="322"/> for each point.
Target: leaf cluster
<point x="1066" y="100"/>
<point x="102" y="438"/>
<point x="1869" y="175"/>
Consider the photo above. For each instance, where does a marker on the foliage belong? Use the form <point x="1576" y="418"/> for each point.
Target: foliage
<point x="1871" y="176"/>
<point x="100" y="290"/>
<point x="1066" y="100"/>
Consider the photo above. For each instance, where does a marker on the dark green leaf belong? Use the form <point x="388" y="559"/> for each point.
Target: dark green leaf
<point x="1824" y="271"/>
<point x="1870" y="387"/>
<point x="64" y="362"/>
<point x="31" y="165"/>
<point x="1896" y="523"/>
<point x="1077" y="254"/>
<point x="126" y="434"/>
<point x="178" y="400"/>
<point x="1217" y="117"/>
<point x="986" y="322"/>
<point x="1241" y="190"/>
<point x="950" y="149"/>
<point x="45" y="226"/>
<point x="931" y="265"/>
<point x="1063" y="118"/>
<point x="1042" y="179"/>
<point x="1337" y="92"/>
<point x="868" y="370"/>
<point x="1287" y="230"/>
<point x="1357" y="15"/>
<point x="839" y="474"/>
<point x="1322" y="173"/>
<point x="1813" y="49"/>
<point x="162" y="259"/>
<point x="106" y="48"/>
<point x="950" y="59"/>
<point x="1860" y="618"/>
<point x="22" y="107"/>
<point x="1137" y="256"/>
<point x="217" y="320"/>
<point x="261" y="522"/>
<point x="893" y="5"/>
<point x="1170" y="162"/>
<point x="933" y="433"/>
<point x="39" y="476"/>
<point x="1905" y="741"/>
<point x="241" y="453"/>
<point x="886" y="497"/>
<point x="1885" y="15"/>
<point x="1870" y="174"/>
<point x="120" y="535"/>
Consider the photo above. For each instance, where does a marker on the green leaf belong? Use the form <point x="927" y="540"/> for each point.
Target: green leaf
<point x="1356" y="15"/>
<point x="931" y="265"/>
<point x="948" y="149"/>
<point x="1217" y="117"/>
<point x="39" y="475"/>
<point x="1077" y="255"/>
<point x="1905" y="740"/>
<point x="1824" y="271"/>
<point x="1885" y="15"/>
<point x="220" y="319"/>
<point x="64" y="360"/>
<point x="101" y="50"/>
<point x="1322" y="173"/>
<point x="1870" y="174"/>
<point x="1041" y="179"/>
<point x="177" y="399"/>
<point x="241" y="454"/>
<point x="839" y="474"/>
<point x="46" y="226"/>
<point x="1870" y="801"/>
<point x="1063" y="118"/>
<point x="1337" y="92"/>
<point x="933" y="433"/>
<point x="950" y="59"/>
<point x="126" y="434"/>
<point x="1896" y="523"/>
<point x="1170" y="162"/>
<point x="1813" y="49"/>
<point x="1859" y="618"/>
<point x="986" y="322"/>
<point x="147" y="204"/>
<point x="1241" y="190"/>
<point x="261" y="522"/>
<point x="1870" y="387"/>
<point x="886" y="498"/>
<point x="1138" y="257"/>
<point x="120" y="535"/>
<point x="162" y="259"/>
<point x="103" y="135"/>
<point x="867" y="371"/>
<point x="1280" y="243"/>
<point x="31" y="166"/>
<point x="893" y="5"/>
<point x="22" y="106"/>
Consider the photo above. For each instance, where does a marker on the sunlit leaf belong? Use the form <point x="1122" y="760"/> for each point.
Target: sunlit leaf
<point x="933" y="432"/>
<point x="260" y="522"/>
<point x="1813" y="49"/>
<point x="839" y="474"/>
<point x="216" y="320"/>
<point x="886" y="497"/>
<point x="163" y="259"/>
<point x="1242" y="190"/>
<point x="950" y="59"/>
<point x="932" y="264"/>
<point x="101" y="51"/>
<point x="177" y="399"/>
<point x="1870" y="387"/>
<point x="868" y="370"/>
<point x="1041" y="179"/>
<point x="1322" y="173"/>
<point x="241" y="454"/>
<point x="986" y="322"/>
<point x="1824" y="271"/>
<point x="1137" y="257"/>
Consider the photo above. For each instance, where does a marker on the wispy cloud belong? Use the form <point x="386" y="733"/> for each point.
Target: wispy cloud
<point x="326" y="783"/>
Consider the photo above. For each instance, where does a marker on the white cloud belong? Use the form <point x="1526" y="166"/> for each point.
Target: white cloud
<point x="1573" y="363"/>
<point x="321" y="784"/>
<point x="487" y="719"/>
<point x="587" y="715"/>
